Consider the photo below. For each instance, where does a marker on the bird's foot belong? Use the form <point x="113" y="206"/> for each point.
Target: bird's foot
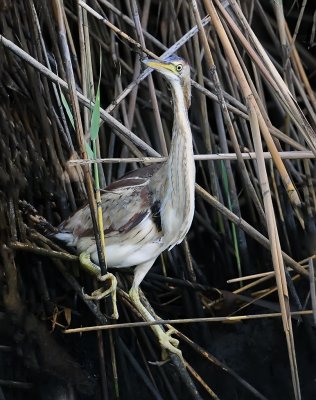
<point x="102" y="292"/>
<point x="168" y="343"/>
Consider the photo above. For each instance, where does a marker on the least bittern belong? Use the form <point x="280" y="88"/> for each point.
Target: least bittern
<point x="149" y="210"/>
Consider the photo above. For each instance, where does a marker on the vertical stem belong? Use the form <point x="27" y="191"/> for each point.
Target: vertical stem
<point x="150" y="82"/>
<point x="256" y="122"/>
<point x="58" y="7"/>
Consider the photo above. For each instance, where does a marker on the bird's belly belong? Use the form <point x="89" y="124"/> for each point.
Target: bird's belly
<point x="122" y="250"/>
<point x="129" y="255"/>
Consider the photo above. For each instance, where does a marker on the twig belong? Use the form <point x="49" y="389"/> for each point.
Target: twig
<point x="185" y="321"/>
<point x="288" y="155"/>
<point x="312" y="288"/>
<point x="250" y="277"/>
<point x="43" y="252"/>
<point x="202" y="382"/>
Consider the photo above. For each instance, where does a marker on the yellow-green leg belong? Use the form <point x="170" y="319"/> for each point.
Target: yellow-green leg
<point x="166" y="341"/>
<point x="100" y="293"/>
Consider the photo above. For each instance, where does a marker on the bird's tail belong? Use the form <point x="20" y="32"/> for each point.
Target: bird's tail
<point x="66" y="237"/>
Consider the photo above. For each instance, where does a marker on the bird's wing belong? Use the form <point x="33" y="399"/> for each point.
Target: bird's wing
<point x="125" y="203"/>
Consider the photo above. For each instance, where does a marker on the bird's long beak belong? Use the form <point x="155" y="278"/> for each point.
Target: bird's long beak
<point x="157" y="64"/>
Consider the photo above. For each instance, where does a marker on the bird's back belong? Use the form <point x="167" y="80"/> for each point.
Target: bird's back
<point x="132" y="225"/>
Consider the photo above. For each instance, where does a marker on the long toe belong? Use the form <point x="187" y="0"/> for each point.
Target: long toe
<point x="97" y="294"/>
<point x="173" y="341"/>
<point x="170" y="344"/>
<point x="101" y="293"/>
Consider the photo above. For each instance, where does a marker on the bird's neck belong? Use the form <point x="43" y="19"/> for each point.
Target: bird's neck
<point x="177" y="207"/>
<point x="181" y="169"/>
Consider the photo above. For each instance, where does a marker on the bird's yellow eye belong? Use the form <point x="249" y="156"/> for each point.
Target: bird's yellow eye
<point x="179" y="67"/>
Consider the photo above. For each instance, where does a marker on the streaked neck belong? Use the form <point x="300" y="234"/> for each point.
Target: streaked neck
<point x="180" y="170"/>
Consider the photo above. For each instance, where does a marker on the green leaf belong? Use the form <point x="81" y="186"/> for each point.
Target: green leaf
<point x="95" y="119"/>
<point x="89" y="151"/>
<point x="67" y="108"/>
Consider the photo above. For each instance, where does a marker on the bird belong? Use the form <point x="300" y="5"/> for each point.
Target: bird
<point x="149" y="210"/>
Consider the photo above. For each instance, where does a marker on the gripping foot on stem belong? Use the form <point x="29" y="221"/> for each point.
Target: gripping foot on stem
<point x="166" y="341"/>
<point x="100" y="293"/>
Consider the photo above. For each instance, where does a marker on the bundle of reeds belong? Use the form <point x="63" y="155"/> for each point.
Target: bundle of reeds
<point x="78" y="111"/>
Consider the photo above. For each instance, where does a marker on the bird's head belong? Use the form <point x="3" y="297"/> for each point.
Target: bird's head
<point x="176" y="71"/>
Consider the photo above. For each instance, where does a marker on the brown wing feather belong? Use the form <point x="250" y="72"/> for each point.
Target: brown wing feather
<point x="125" y="204"/>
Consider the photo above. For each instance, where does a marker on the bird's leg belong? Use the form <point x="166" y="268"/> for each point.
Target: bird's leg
<point x="167" y="342"/>
<point x="100" y="293"/>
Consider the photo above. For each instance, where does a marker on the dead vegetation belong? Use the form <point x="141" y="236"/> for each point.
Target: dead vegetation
<point x="240" y="291"/>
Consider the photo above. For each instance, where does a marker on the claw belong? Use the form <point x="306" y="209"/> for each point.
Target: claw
<point x="168" y="343"/>
<point x="100" y="293"/>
